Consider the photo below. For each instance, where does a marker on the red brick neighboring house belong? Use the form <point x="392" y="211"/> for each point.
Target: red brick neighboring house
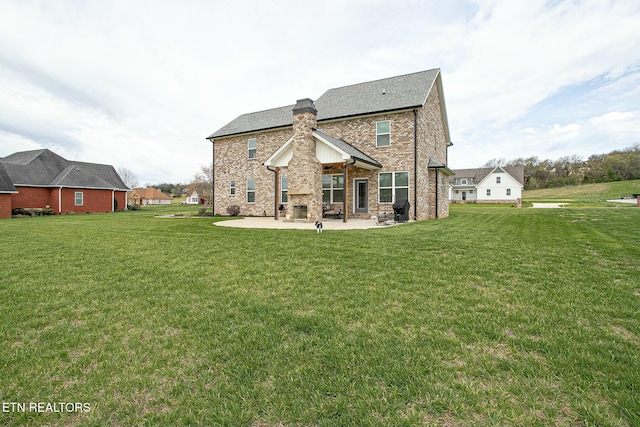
<point x="41" y="178"/>
<point x="6" y="190"/>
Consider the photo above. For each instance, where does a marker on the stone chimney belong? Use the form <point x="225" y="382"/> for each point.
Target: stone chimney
<point x="304" y="171"/>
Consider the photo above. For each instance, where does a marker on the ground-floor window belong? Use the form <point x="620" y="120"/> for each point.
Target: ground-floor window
<point x="232" y="188"/>
<point x="508" y="191"/>
<point x="79" y="198"/>
<point x="393" y="186"/>
<point x="332" y="189"/>
<point x="284" y="188"/>
<point x="251" y="191"/>
<point x="488" y="191"/>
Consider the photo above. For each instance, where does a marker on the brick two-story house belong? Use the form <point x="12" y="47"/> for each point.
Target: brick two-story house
<point x="356" y="150"/>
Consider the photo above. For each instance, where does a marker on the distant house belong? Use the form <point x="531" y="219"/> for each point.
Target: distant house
<point x="487" y="185"/>
<point x="6" y="190"/>
<point x="40" y="179"/>
<point x="148" y="197"/>
<point x="192" y="199"/>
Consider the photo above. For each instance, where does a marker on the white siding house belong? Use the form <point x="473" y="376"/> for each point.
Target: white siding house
<point x="192" y="199"/>
<point x="487" y="185"/>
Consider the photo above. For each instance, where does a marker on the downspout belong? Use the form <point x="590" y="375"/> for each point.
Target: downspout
<point x="344" y="196"/>
<point x="113" y="196"/>
<point x="60" y="200"/>
<point x="275" y="192"/>
<point x="213" y="174"/>
<point x="415" y="164"/>
<point x="437" y="182"/>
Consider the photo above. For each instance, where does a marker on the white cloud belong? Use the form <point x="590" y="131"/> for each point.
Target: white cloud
<point x="141" y="84"/>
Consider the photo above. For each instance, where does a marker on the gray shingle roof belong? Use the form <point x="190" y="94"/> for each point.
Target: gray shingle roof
<point x="478" y="174"/>
<point x="393" y="93"/>
<point x="45" y="168"/>
<point x="6" y="186"/>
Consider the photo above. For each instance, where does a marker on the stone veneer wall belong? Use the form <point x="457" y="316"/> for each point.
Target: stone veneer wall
<point x="232" y="163"/>
<point x="304" y="170"/>
<point x="431" y="143"/>
<point x="360" y="132"/>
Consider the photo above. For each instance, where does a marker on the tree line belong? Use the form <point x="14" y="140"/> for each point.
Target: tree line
<point x="618" y="165"/>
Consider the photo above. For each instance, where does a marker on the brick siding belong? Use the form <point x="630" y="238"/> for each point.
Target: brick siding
<point x="93" y="200"/>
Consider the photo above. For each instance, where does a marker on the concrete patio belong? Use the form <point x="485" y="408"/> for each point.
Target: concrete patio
<point x="328" y="224"/>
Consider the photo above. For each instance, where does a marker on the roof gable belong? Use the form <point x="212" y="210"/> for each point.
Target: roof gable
<point x="328" y="150"/>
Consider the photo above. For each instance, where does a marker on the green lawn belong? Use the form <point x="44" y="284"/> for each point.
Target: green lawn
<point x="505" y="317"/>
<point x="591" y="193"/>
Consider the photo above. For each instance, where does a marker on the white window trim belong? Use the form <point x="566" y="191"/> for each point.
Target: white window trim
<point x="389" y="133"/>
<point x="251" y="191"/>
<point x="282" y="190"/>
<point x="250" y="149"/>
<point x="75" y="201"/>
<point x="331" y="189"/>
<point x="394" y="187"/>
<point x="232" y="188"/>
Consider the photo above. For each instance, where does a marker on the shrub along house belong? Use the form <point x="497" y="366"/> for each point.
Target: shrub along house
<point x="354" y="151"/>
<point x="42" y="179"/>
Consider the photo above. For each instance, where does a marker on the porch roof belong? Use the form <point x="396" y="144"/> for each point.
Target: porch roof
<point x="329" y="150"/>
<point x="434" y="164"/>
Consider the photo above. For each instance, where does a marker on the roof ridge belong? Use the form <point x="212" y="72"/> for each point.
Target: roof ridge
<point x="381" y="79"/>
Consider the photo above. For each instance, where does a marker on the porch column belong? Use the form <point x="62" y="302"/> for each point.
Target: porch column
<point x="345" y="205"/>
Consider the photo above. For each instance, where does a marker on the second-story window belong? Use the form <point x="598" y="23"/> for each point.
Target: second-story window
<point x="251" y="148"/>
<point x="497" y="180"/>
<point x="383" y="134"/>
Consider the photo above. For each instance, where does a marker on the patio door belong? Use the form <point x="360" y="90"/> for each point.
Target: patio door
<point x="362" y="195"/>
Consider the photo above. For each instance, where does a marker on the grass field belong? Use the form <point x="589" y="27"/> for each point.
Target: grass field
<point x="591" y="193"/>
<point x="505" y="317"/>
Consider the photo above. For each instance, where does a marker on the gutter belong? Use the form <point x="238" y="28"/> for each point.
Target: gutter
<point x="437" y="184"/>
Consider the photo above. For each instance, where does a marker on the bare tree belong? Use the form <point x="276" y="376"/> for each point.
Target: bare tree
<point x="495" y="163"/>
<point x="129" y="178"/>
<point x="202" y="182"/>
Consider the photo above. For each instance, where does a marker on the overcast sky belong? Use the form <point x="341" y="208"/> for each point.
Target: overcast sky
<point x="141" y="84"/>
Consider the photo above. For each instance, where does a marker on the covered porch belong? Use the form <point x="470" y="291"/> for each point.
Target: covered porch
<point x="327" y="197"/>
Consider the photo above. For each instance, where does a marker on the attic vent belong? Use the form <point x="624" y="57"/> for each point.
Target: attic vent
<point x="384" y="91"/>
